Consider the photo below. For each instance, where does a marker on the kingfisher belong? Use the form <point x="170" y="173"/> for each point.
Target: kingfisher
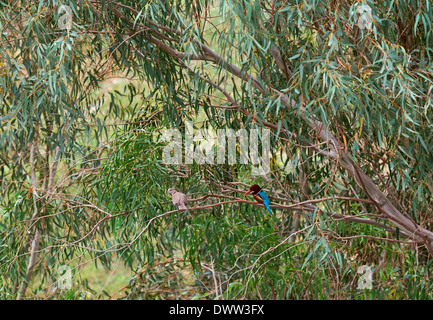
<point x="259" y="195"/>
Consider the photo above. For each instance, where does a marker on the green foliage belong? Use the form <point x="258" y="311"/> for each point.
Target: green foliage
<point x="81" y="159"/>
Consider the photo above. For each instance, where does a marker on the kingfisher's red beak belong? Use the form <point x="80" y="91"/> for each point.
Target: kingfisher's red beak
<point x="249" y="191"/>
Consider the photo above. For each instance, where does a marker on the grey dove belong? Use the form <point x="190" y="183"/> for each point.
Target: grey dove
<point x="179" y="199"/>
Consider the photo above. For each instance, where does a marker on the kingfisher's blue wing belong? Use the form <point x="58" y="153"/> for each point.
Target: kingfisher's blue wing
<point x="263" y="195"/>
<point x="266" y="201"/>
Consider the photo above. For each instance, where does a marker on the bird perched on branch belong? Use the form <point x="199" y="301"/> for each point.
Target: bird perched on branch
<point x="259" y="195"/>
<point x="179" y="199"/>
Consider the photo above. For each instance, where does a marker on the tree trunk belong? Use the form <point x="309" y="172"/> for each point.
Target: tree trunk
<point x="31" y="265"/>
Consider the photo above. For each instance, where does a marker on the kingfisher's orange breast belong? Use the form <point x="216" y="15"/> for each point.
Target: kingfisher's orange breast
<point x="258" y="198"/>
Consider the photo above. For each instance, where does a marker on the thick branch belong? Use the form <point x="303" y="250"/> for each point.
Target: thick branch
<point x="37" y="237"/>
